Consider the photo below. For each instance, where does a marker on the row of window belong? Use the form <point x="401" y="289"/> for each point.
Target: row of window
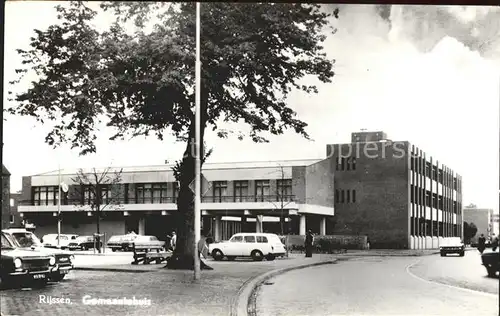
<point x="421" y="166"/>
<point x="345" y="163"/>
<point x="345" y="196"/>
<point x="423" y="228"/>
<point x="159" y="193"/>
<point x="432" y="199"/>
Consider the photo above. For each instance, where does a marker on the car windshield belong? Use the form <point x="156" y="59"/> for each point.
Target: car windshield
<point x="6" y="244"/>
<point x="27" y="239"/>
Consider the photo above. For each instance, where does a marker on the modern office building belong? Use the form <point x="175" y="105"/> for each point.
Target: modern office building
<point x="390" y="191"/>
<point x="482" y="218"/>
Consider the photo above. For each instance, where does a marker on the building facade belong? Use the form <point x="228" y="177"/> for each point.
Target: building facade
<point x="6" y="216"/>
<point x="482" y="218"/>
<point x="393" y="192"/>
<point x="240" y="197"/>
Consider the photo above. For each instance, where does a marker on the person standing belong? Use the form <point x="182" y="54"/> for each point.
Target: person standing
<point x="309" y="243"/>
<point x="173" y="241"/>
<point x="481" y="243"/>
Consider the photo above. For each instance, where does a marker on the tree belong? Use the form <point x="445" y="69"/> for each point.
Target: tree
<point x="98" y="190"/>
<point x="470" y="231"/>
<point x="283" y="198"/>
<point x="141" y="83"/>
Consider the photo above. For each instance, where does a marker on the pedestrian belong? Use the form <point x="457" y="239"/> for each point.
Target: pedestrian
<point x="367" y="243"/>
<point x="308" y="244"/>
<point x="494" y="243"/>
<point x="481" y="243"/>
<point x="173" y="241"/>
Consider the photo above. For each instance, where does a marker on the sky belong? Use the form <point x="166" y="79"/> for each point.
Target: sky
<point x="426" y="74"/>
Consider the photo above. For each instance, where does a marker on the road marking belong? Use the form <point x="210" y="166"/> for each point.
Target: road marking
<point x="408" y="267"/>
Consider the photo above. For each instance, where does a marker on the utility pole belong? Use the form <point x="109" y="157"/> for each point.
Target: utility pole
<point x="197" y="179"/>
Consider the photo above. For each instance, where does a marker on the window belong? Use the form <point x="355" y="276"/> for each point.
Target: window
<point x="261" y="239"/>
<point x="348" y="196"/>
<point x="160" y="193"/>
<point x="106" y="195"/>
<point x="220" y="190"/>
<point x="427" y="198"/>
<point x="143" y="193"/>
<point x="434" y="200"/>
<point x="240" y="191"/>
<point x="342" y="197"/>
<point x="342" y="164"/>
<point x="434" y="173"/>
<point x="348" y="163"/>
<point x="261" y="190"/>
<point x="45" y="195"/>
<point x="412" y="193"/>
<point x="338" y="165"/>
<point x="353" y="196"/>
<point x="428" y="169"/>
<point x="337" y="196"/>
<point x="455" y="184"/>
<point x="236" y="239"/>
<point x="250" y="239"/>
<point x="151" y="193"/>
<point x="12" y="203"/>
<point x="353" y="161"/>
<point x="441" y="202"/>
<point x="284" y="189"/>
<point x="11" y="219"/>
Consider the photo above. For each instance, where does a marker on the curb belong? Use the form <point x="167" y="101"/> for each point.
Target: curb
<point x="110" y="269"/>
<point x="240" y="305"/>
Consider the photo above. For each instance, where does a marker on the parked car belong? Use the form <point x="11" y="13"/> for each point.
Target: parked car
<point x="491" y="261"/>
<point x="50" y="240"/>
<point x="23" y="265"/>
<point x="84" y="243"/>
<point x="452" y="245"/>
<point x="121" y="242"/>
<point x="27" y="240"/>
<point x="255" y="245"/>
<point x="148" y="242"/>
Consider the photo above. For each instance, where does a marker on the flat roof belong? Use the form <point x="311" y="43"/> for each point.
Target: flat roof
<point x="206" y="166"/>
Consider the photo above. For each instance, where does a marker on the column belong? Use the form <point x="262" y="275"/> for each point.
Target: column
<point x="217" y="228"/>
<point x="243" y="221"/>
<point x="302" y="225"/>
<point x="258" y="223"/>
<point x="322" y="227"/>
<point x="142" y="226"/>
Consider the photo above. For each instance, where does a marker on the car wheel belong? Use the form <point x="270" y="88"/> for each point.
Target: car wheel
<point x="257" y="255"/>
<point x="113" y="249"/>
<point x="57" y="277"/>
<point x="270" y="257"/>
<point x="82" y="248"/>
<point x="217" y="255"/>
<point x="231" y="258"/>
<point x="462" y="254"/>
<point x="491" y="272"/>
<point x="443" y="254"/>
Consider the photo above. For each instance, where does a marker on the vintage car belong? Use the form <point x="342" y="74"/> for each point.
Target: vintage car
<point x="84" y="243"/>
<point x="452" y="245"/>
<point x="491" y="261"/>
<point x="148" y="243"/>
<point x="121" y="242"/>
<point x="22" y="266"/>
<point x="255" y="245"/>
<point x="62" y="242"/>
<point x="28" y="240"/>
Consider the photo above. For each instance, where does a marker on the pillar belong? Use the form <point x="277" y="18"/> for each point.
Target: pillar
<point x="302" y="225"/>
<point x="322" y="226"/>
<point x="243" y="221"/>
<point x="142" y="226"/>
<point x="258" y="223"/>
<point x="217" y="228"/>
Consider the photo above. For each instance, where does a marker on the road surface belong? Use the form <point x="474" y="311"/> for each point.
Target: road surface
<point x="382" y="286"/>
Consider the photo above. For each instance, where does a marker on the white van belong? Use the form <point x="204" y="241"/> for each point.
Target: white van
<point x="50" y="240"/>
<point x="255" y="245"/>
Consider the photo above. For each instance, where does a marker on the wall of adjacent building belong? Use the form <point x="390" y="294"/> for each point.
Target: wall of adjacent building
<point x="481" y="218"/>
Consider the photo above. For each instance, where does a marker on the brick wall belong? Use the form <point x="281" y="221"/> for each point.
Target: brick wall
<point x="5" y="222"/>
<point x="320" y="184"/>
<point x="380" y="182"/>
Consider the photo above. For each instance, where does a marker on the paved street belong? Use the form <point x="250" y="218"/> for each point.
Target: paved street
<point x="381" y="286"/>
<point x="170" y="292"/>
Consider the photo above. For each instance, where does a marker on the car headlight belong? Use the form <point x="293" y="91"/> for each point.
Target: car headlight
<point x="18" y="263"/>
<point x="52" y="261"/>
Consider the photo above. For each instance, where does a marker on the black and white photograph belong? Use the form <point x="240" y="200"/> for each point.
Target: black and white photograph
<point x="250" y="159"/>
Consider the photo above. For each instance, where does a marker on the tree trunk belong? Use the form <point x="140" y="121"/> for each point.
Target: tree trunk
<point x="98" y="237"/>
<point x="183" y="256"/>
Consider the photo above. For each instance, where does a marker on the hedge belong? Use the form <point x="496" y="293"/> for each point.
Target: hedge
<point x="325" y="243"/>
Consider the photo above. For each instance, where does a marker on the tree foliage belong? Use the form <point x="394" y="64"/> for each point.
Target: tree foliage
<point x="142" y="82"/>
<point x="470" y="231"/>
